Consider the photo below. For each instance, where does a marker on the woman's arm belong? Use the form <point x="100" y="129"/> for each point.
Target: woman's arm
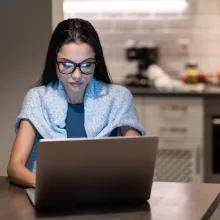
<point x="129" y="131"/>
<point x="21" y="150"/>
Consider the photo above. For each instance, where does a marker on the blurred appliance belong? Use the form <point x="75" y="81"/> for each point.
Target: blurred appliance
<point x="215" y="145"/>
<point x="144" y="56"/>
<point x="212" y="140"/>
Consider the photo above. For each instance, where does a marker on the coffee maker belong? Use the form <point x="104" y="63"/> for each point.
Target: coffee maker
<point x="144" y="55"/>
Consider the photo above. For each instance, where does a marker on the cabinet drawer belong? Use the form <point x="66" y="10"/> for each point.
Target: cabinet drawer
<point x="181" y="131"/>
<point x="173" y="107"/>
<point x="174" y="119"/>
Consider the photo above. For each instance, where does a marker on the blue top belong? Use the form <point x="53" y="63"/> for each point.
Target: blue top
<point x="75" y="114"/>
<point x="75" y="121"/>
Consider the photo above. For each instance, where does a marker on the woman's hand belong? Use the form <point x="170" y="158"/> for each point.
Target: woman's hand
<point x="129" y="131"/>
<point x="17" y="171"/>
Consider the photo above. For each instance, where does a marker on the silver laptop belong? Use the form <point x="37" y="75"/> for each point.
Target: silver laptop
<point x="84" y="171"/>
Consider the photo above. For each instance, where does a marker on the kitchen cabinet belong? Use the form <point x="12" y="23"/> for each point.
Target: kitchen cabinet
<point x="178" y="121"/>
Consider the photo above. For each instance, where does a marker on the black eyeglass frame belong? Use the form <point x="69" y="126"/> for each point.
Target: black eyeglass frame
<point x="77" y="65"/>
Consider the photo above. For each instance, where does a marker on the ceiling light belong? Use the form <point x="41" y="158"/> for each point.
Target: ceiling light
<point x="125" y="6"/>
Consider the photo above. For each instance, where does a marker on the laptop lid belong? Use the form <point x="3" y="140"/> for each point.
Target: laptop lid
<point x="88" y="171"/>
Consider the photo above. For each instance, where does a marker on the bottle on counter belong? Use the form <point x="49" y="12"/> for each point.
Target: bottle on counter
<point x="193" y="75"/>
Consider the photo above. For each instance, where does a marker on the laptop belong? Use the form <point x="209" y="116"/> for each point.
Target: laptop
<point x="84" y="171"/>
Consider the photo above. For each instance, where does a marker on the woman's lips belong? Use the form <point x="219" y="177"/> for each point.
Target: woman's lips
<point x="76" y="84"/>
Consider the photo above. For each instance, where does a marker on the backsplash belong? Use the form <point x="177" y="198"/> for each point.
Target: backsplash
<point x="170" y="32"/>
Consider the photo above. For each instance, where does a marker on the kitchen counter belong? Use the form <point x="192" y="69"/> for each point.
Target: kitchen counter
<point x="209" y="92"/>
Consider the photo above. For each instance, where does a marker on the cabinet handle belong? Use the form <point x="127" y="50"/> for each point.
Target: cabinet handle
<point x="174" y="129"/>
<point x="175" y="108"/>
<point x="197" y="160"/>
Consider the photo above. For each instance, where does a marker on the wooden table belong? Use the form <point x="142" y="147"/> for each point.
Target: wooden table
<point x="169" y="201"/>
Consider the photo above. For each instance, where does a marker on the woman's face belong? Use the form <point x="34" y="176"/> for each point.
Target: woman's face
<point x="69" y="55"/>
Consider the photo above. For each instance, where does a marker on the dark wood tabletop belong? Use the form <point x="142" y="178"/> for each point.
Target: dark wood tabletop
<point x="169" y="201"/>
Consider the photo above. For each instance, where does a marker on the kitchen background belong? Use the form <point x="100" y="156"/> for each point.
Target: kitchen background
<point x="188" y="126"/>
<point x="192" y="35"/>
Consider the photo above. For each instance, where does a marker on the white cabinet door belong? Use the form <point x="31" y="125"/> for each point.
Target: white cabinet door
<point x="178" y="122"/>
<point x="174" y="118"/>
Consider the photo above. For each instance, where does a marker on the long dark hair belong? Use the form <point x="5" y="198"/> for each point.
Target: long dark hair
<point x="73" y="30"/>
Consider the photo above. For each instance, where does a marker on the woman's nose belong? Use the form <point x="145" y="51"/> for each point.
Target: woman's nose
<point x="77" y="73"/>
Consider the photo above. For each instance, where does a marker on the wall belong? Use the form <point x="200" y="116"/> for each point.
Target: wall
<point x="57" y="12"/>
<point x="198" y="25"/>
<point x="205" y="46"/>
<point x="25" y="30"/>
<point x="165" y="30"/>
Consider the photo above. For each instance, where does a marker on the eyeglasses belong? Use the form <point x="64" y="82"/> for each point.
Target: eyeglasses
<point x="68" y="67"/>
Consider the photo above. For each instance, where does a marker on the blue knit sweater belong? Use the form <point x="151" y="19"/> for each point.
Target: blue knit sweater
<point x="107" y="106"/>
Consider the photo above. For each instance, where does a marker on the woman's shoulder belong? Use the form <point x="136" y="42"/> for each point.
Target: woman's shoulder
<point x="37" y="89"/>
<point x="41" y="90"/>
<point x="36" y="92"/>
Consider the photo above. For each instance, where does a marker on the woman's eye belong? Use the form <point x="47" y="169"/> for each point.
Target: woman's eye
<point x="85" y="64"/>
<point x="67" y="65"/>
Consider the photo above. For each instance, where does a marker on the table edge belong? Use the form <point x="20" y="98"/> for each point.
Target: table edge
<point x="212" y="208"/>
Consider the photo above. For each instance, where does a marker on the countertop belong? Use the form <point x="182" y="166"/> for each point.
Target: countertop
<point x="210" y="92"/>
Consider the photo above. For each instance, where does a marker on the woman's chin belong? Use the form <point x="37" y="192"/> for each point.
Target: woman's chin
<point x="77" y="87"/>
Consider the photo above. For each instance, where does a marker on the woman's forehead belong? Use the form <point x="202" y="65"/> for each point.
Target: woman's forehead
<point x="76" y="50"/>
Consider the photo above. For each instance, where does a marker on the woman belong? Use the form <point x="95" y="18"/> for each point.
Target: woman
<point x="74" y="98"/>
